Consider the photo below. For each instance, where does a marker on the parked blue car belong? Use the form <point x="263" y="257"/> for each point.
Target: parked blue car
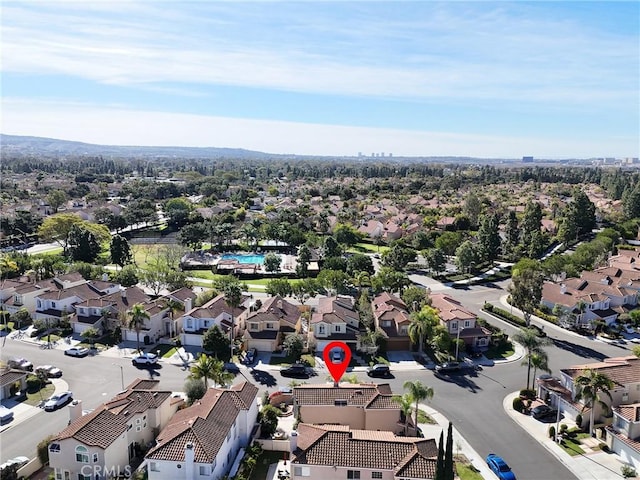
<point x="500" y="467"/>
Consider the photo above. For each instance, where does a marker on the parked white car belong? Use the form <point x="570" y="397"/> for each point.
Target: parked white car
<point x="58" y="401"/>
<point x="77" y="352"/>
<point x="49" y="370"/>
<point x="145" y="359"/>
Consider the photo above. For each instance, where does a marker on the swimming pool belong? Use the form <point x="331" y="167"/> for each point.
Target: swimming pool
<point x="258" y="259"/>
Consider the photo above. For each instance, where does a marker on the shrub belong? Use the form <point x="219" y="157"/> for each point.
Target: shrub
<point x="488" y="307"/>
<point x="627" y="471"/>
<point x="563" y="429"/>
<point x="43" y="450"/>
<point x="528" y="393"/>
<point x="518" y="405"/>
<point x="33" y="383"/>
<point x="194" y="389"/>
<point x="579" y="420"/>
<point x="268" y="420"/>
<point x="552" y="432"/>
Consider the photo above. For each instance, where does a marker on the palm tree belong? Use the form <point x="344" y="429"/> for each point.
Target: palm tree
<point x="539" y="361"/>
<point x="136" y="318"/>
<point x="418" y="392"/>
<point x="422" y="324"/>
<point x="406" y="407"/>
<point x="591" y="384"/>
<point x="173" y="306"/>
<point x="206" y="367"/>
<point x="532" y="343"/>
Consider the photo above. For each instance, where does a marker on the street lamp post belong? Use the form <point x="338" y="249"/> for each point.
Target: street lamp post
<point x="457" y="340"/>
<point x="557" y="395"/>
<point x="121" y="374"/>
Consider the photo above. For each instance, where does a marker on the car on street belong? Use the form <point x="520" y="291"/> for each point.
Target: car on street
<point x="379" y="370"/>
<point x="448" y="367"/>
<point x="20" y="363"/>
<point x="250" y="356"/>
<point x="49" y="370"/>
<point x="18" y="461"/>
<point x="295" y="370"/>
<point x="542" y="412"/>
<point x="77" y="352"/>
<point x="500" y="467"/>
<point x="336" y="356"/>
<point x="145" y="359"/>
<point x="57" y="401"/>
<point x="6" y="414"/>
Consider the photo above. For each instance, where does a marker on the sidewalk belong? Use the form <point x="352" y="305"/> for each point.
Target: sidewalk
<point x="594" y="465"/>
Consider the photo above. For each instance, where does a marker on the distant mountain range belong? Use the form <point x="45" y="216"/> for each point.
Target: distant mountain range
<point x="24" y="146"/>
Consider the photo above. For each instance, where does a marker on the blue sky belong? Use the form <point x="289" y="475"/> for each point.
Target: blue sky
<point x="484" y="79"/>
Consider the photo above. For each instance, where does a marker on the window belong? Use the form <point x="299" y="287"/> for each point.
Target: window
<point x="204" y="470"/>
<point x="353" y="474"/>
<point x="137" y="421"/>
<point x="253" y="327"/>
<point x="454" y="326"/>
<point x="376" y="474"/>
<point x="386" y="323"/>
<point x="84" y="477"/>
<point x="67" y="475"/>
<point x="138" y="428"/>
<point x="82" y="454"/>
<point x="58" y="475"/>
<point x="340" y="403"/>
<point x="54" y="448"/>
<point x="153" y="466"/>
<point x="95" y="458"/>
<point x="338" y="328"/>
<point x="53" y="304"/>
<point x="467" y="323"/>
<point x="269" y="326"/>
<point x="321" y="329"/>
<point x="403" y="330"/>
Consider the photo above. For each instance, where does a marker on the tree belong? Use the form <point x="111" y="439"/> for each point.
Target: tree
<point x="346" y="234"/>
<point x="331" y="248"/>
<point x="56" y="199"/>
<point x="194" y="389"/>
<point x="136" y="318"/>
<point x="335" y="281"/>
<point x="405" y="402"/>
<point x="279" y="287"/>
<point x="472" y="207"/>
<point x="489" y="237"/>
<point x="82" y="245"/>
<point x="422" y="324"/>
<point x="360" y="262"/>
<point x="173" y="306"/>
<point x="440" y="459"/>
<point x="532" y="343"/>
<point x="272" y="262"/>
<point x="418" y="393"/>
<point x="192" y="235"/>
<point x="390" y="280"/>
<point x="591" y="384"/>
<point x="531" y="222"/>
<point x="526" y="287"/>
<point x="512" y="234"/>
<point x="539" y="361"/>
<point x="585" y="211"/>
<point x="466" y="256"/>
<point x="207" y="367"/>
<point x="127" y="276"/>
<point x="448" y="242"/>
<point x="90" y="334"/>
<point x="415" y="297"/>
<point x="177" y="210"/>
<point x="56" y="228"/>
<point x="631" y="202"/>
<point x="448" y="455"/>
<point x="436" y="260"/>
<point x="120" y="251"/>
<point x="304" y="257"/>
<point x="398" y="257"/>
<point x="268" y="420"/>
<point x="232" y="289"/>
<point x="216" y="342"/>
<point x="293" y="345"/>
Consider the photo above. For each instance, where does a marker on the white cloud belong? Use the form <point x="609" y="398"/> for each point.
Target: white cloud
<point x="120" y="126"/>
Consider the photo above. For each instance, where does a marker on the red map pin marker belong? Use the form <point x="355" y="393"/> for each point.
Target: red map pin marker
<point x="337" y="364"/>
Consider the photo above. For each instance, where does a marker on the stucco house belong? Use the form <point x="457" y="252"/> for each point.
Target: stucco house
<point x="335" y="319"/>
<point x="108" y="439"/>
<point x="18" y="293"/>
<point x="366" y="406"/>
<point x="266" y="328"/>
<point x="216" y="311"/>
<point x="460" y="322"/>
<point x="202" y="441"/>
<point x="391" y="316"/>
<point x="12" y="381"/>
<point x="336" y="451"/>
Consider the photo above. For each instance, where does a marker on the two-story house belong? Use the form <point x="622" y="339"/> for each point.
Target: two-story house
<point x="335" y="319"/>
<point x="460" y="322"/>
<point x="22" y="292"/>
<point x="266" y="328"/>
<point x="203" y="440"/>
<point x="107" y="440"/>
<point x="216" y="311"/>
<point x="336" y="451"/>
<point x="391" y="316"/>
<point x="367" y="406"/>
<point x="623" y="435"/>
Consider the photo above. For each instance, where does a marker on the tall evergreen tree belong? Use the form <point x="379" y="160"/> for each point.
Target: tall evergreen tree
<point x="531" y="222"/>
<point x="512" y="234"/>
<point x="440" y="461"/>
<point x="489" y="237"/>
<point x="448" y="455"/>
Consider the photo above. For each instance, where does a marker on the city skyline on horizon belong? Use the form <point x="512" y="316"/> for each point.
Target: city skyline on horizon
<point x="502" y="79"/>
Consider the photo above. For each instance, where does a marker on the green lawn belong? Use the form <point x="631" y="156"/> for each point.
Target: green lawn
<point x="53" y="251"/>
<point x="424" y="417"/>
<point x="262" y="464"/>
<point x="467" y="472"/>
<point x="368" y="248"/>
<point x="166" y="350"/>
<point x="43" y="394"/>
<point x="497" y="353"/>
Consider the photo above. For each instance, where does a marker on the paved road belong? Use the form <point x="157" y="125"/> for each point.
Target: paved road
<point x="474" y="404"/>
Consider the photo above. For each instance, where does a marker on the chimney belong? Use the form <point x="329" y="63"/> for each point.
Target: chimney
<point x="279" y="304"/>
<point x="293" y="441"/>
<point x="188" y="304"/>
<point x="189" y="461"/>
<point x="75" y="410"/>
<point x="123" y="293"/>
<point x="563" y="288"/>
<point x="105" y="277"/>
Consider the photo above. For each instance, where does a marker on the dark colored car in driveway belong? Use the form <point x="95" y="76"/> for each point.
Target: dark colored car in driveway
<point x="543" y="412"/>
